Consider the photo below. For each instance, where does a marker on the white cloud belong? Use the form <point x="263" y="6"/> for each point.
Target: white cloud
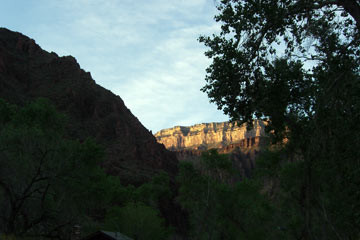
<point x="144" y="51"/>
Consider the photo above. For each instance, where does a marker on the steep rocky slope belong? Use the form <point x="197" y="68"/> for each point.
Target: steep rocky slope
<point x="210" y="135"/>
<point x="28" y="72"/>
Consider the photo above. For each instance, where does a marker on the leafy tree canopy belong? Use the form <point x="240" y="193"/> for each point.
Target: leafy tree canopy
<point x="136" y="209"/>
<point x="220" y="209"/>
<point x="137" y="220"/>
<point x="296" y="64"/>
<point x="44" y="177"/>
<point x="278" y="59"/>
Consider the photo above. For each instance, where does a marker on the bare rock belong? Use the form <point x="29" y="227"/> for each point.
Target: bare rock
<point x="210" y="135"/>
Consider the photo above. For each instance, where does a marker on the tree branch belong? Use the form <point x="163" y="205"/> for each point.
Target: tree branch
<point x="353" y="8"/>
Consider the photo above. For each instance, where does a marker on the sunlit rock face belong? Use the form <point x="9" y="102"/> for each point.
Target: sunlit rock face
<point x="241" y="144"/>
<point x="211" y="135"/>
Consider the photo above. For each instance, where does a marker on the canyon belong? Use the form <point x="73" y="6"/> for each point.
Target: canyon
<point x="28" y="72"/>
<point x="222" y="135"/>
<point x="241" y="144"/>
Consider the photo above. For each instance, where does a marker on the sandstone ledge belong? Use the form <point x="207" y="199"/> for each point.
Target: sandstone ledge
<point x="210" y="135"/>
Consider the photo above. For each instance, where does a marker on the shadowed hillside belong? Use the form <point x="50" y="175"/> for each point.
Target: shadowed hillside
<point x="28" y="72"/>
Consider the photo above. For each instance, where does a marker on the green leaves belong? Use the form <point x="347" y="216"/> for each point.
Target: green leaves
<point x="221" y="209"/>
<point x="251" y="32"/>
<point x="295" y="64"/>
<point x="44" y="178"/>
<point x="136" y="209"/>
<point x="137" y="221"/>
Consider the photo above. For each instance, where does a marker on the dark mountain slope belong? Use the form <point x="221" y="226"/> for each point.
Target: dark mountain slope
<point x="28" y="72"/>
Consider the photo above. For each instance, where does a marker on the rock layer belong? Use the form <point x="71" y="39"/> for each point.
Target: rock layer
<point x="210" y="135"/>
<point x="28" y="72"/>
<point x="241" y="144"/>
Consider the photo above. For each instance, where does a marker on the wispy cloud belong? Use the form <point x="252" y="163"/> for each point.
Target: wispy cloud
<point x="144" y="51"/>
<point x="173" y="83"/>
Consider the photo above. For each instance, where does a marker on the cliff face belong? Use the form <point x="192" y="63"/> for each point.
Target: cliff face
<point x="210" y="135"/>
<point x="241" y="144"/>
<point x="28" y="72"/>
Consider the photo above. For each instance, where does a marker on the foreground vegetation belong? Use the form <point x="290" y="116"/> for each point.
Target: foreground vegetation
<point x="306" y="188"/>
<point x="296" y="65"/>
<point x="49" y="183"/>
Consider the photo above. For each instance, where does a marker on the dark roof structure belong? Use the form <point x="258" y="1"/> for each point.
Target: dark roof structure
<point x="104" y="235"/>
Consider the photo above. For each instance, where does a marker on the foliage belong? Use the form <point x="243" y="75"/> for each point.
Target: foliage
<point x="250" y="76"/>
<point x="220" y="209"/>
<point x="44" y="178"/>
<point x="216" y="165"/>
<point x="296" y="64"/>
<point x="154" y="192"/>
<point x="5" y="237"/>
<point x="136" y="212"/>
<point x="137" y="220"/>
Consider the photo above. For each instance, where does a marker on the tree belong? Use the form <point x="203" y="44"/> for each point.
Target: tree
<point x="250" y="76"/>
<point x="137" y="221"/>
<point x="220" y="209"/>
<point x="296" y="65"/>
<point x="217" y="166"/>
<point x="137" y="210"/>
<point x="198" y="197"/>
<point x="44" y="177"/>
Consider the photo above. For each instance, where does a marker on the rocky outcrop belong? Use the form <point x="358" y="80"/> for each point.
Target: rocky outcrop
<point x="28" y="72"/>
<point x="241" y="145"/>
<point x="211" y="135"/>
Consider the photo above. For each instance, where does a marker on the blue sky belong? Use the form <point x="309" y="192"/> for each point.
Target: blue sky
<point x="145" y="51"/>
